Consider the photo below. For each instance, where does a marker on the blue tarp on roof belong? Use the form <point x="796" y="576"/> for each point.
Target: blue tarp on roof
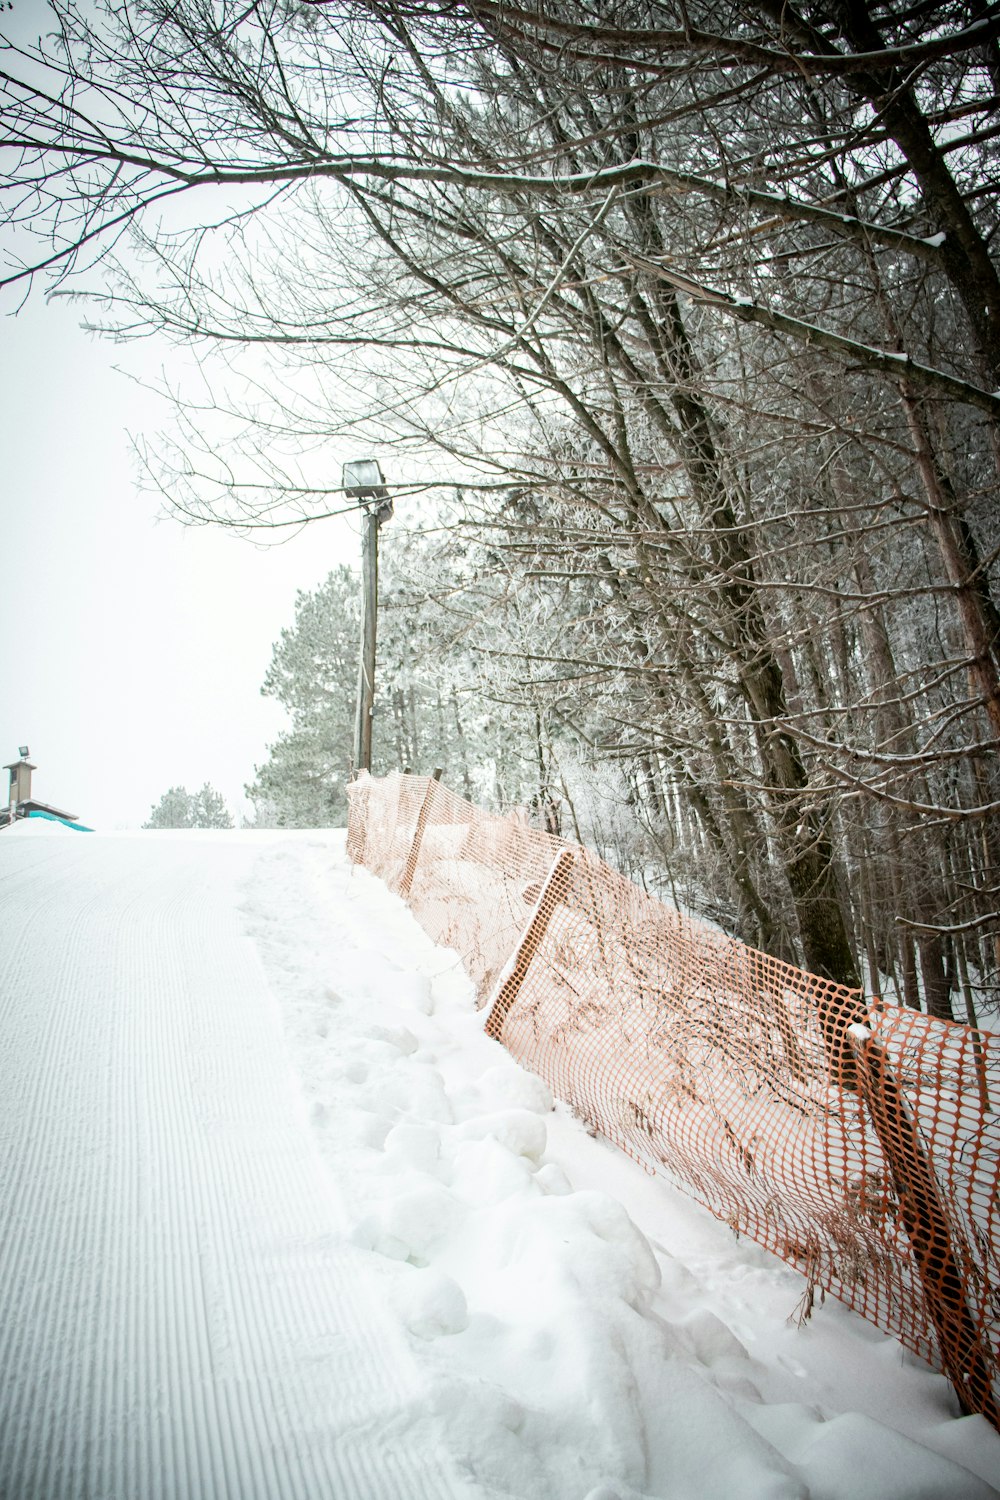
<point x="66" y="822"/>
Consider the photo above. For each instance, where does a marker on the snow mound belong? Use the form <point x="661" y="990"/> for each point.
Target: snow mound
<point x="38" y="828"/>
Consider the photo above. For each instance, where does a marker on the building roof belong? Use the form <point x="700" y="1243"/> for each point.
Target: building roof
<point x="31" y="805"/>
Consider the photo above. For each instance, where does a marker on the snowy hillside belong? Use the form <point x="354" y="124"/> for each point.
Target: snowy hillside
<point x="282" y="1222"/>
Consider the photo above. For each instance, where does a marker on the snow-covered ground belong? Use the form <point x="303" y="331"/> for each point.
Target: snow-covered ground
<point x="280" y="1221"/>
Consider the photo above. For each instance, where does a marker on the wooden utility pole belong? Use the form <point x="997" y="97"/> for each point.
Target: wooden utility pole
<point x="363" y="481"/>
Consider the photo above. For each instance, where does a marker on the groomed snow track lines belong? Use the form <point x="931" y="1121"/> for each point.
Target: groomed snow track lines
<point x="180" y="1317"/>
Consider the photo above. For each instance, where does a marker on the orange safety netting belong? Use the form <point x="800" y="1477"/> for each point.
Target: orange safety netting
<point x="859" y="1144"/>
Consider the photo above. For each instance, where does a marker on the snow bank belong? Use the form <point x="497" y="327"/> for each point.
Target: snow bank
<point x="37" y="828"/>
<point x="565" y="1353"/>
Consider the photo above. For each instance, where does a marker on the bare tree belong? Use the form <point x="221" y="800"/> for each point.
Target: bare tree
<point x="707" y="295"/>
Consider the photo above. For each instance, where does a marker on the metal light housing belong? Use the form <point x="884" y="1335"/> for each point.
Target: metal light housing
<point x="363" y="480"/>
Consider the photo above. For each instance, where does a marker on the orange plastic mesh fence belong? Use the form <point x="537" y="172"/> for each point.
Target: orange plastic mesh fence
<point x="859" y="1145"/>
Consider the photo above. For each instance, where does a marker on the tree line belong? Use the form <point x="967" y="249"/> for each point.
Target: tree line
<point x="698" y="307"/>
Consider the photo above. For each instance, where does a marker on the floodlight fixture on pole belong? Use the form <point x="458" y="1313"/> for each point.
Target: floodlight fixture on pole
<point x="363" y="482"/>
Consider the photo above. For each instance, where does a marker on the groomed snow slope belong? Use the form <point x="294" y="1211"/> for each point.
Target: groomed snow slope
<point x="279" y="1221"/>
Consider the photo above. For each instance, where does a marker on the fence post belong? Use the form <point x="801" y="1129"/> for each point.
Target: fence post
<point x="410" y="868"/>
<point x="553" y="892"/>
<point x="358" y="795"/>
<point x="967" y="1360"/>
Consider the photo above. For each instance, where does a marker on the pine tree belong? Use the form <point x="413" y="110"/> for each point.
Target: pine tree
<point x="313" y="675"/>
<point x="179" y="808"/>
<point x="174" y="810"/>
<point x="209" y="810"/>
<point x="432" y="703"/>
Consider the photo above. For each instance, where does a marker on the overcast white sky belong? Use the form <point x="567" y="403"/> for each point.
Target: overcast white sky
<point x="135" y="647"/>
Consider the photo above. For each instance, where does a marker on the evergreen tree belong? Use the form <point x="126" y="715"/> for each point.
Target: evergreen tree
<point x="208" y="809"/>
<point x="313" y="675"/>
<point x="179" y="808"/>
<point x="433" y="702"/>
<point x="174" y="810"/>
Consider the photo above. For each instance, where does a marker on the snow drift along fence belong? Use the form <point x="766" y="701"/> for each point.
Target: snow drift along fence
<point x="859" y="1143"/>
